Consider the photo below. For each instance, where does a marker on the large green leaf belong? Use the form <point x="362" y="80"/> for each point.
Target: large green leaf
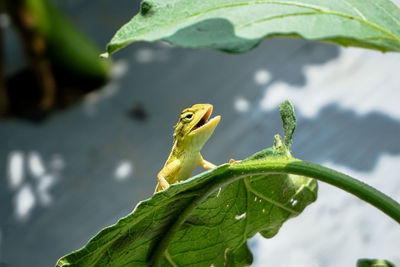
<point x="239" y="25"/>
<point x="197" y="228"/>
<point x="206" y="220"/>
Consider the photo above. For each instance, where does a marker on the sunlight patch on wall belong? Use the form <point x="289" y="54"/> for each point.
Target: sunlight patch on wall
<point x="31" y="182"/>
<point x="241" y="104"/>
<point x="35" y="164"/>
<point x="56" y="163"/>
<point x="144" y="55"/>
<point x="119" y="69"/>
<point x="24" y="202"/>
<point x="15" y="170"/>
<point x="124" y="170"/>
<point x="262" y="77"/>
<point x="352" y="81"/>
<point x="150" y="55"/>
<point x="43" y="188"/>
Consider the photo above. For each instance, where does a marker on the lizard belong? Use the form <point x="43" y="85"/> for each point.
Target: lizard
<point x="191" y="133"/>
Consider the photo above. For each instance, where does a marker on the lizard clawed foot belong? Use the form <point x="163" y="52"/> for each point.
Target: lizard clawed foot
<point x="165" y="187"/>
<point x="232" y="161"/>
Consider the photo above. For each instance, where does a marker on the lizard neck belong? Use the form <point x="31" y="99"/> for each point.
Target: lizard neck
<point x="183" y="148"/>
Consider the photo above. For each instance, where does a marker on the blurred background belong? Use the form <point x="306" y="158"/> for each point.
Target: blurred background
<point x="68" y="170"/>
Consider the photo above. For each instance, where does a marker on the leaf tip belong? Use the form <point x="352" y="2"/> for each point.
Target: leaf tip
<point x="104" y="55"/>
<point x="289" y="121"/>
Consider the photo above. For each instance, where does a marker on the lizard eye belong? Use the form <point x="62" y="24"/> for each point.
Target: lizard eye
<point x="187" y="117"/>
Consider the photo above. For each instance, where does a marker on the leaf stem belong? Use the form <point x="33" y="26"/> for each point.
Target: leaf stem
<point x="332" y="177"/>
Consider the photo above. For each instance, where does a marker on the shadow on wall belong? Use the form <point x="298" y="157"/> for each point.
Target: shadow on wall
<point x="204" y="33"/>
<point x="346" y="138"/>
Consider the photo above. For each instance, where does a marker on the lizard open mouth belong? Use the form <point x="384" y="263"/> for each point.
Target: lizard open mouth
<point x="205" y="125"/>
<point x="203" y="120"/>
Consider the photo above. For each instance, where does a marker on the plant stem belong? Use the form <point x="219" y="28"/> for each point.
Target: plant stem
<point x="35" y="49"/>
<point x="332" y="177"/>
<point x="4" y="101"/>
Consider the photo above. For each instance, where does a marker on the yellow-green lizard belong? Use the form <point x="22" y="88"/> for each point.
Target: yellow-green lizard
<point x="191" y="133"/>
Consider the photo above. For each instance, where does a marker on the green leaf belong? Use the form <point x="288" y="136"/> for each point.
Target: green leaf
<point x="198" y="223"/>
<point x="374" y="263"/>
<point x="239" y="25"/>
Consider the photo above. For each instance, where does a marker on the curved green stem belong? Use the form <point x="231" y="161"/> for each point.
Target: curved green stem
<point x="228" y="173"/>
<point x="318" y="172"/>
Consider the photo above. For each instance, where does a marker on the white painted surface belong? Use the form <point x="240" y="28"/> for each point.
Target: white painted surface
<point x="355" y="81"/>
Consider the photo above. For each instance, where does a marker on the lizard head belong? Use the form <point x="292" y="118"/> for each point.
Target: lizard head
<point x="194" y="124"/>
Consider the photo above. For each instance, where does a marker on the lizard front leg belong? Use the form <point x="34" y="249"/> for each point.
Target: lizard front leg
<point x="170" y="170"/>
<point x="162" y="182"/>
<point x="206" y="164"/>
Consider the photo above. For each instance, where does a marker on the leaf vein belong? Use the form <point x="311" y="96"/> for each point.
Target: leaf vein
<point x="269" y="200"/>
<point x="355" y="9"/>
<point x="390" y="15"/>
<point x="169" y="258"/>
